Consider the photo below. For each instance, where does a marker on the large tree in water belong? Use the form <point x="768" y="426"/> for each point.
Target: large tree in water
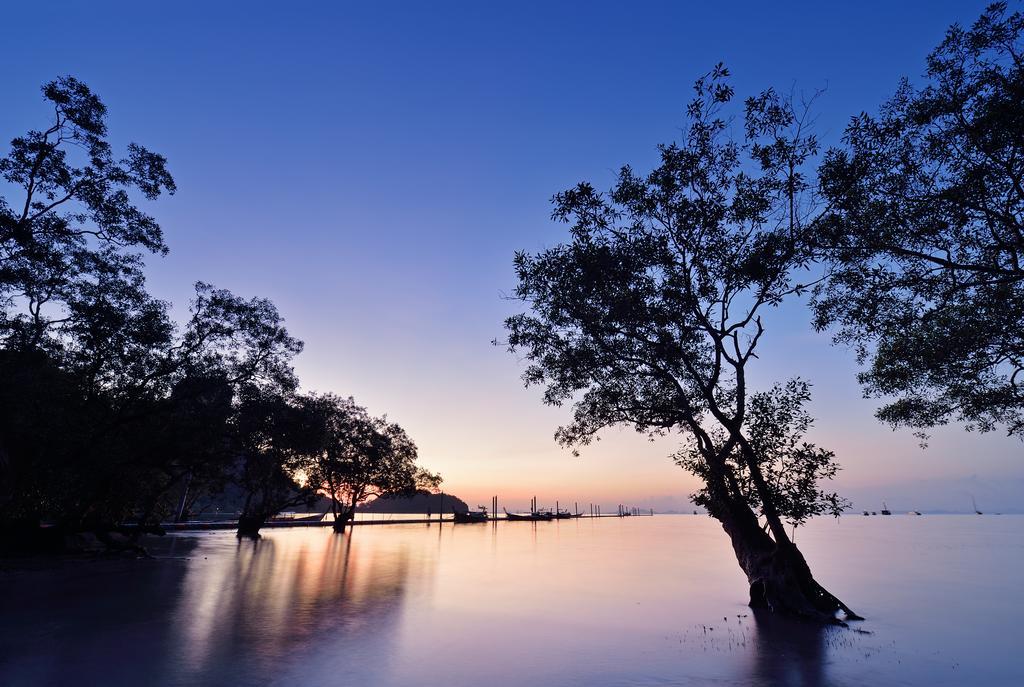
<point x="652" y="313"/>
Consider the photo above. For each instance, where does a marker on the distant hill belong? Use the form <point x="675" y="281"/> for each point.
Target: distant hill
<point x="419" y="503"/>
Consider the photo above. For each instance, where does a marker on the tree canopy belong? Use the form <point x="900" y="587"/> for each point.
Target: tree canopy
<point x="76" y="227"/>
<point x="923" y="232"/>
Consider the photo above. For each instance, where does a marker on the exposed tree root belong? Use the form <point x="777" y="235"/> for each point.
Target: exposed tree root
<point x="779" y="577"/>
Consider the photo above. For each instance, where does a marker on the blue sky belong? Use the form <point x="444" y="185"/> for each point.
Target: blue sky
<point x="372" y="167"/>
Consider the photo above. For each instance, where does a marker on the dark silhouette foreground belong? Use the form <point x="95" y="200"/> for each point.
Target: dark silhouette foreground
<point x="111" y="413"/>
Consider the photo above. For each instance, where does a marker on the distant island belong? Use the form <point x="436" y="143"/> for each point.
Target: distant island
<point x="418" y="503"/>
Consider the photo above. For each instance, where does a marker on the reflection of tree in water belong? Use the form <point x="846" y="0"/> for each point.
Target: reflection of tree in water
<point x="788" y="652"/>
<point x="279" y="596"/>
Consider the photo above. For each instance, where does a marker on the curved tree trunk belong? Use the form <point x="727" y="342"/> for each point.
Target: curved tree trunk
<point x="777" y="573"/>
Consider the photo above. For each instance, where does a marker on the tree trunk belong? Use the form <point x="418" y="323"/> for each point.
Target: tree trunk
<point x="342" y="517"/>
<point x="777" y="573"/>
<point x="249" y="525"/>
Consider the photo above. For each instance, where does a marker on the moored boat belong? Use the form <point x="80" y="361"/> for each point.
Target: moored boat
<point x="534" y="516"/>
<point x="471" y="516"/>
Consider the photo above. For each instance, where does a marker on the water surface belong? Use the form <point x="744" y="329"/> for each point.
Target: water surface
<point x="632" y="601"/>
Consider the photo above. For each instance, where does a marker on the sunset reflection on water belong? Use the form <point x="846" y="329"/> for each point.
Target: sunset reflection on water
<point x="632" y="601"/>
<point x="267" y="599"/>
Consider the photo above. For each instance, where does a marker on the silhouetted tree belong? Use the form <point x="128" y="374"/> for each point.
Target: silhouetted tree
<point x="273" y="455"/>
<point x="230" y="350"/>
<point x="75" y="219"/>
<point x="109" y="411"/>
<point x="924" y="234"/>
<point x="362" y="457"/>
<point x="651" y="314"/>
<point x="74" y="316"/>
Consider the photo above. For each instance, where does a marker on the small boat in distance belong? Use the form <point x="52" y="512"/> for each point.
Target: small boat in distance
<point x="471" y="516"/>
<point x="885" y="509"/>
<point x="975" y="504"/>
<point x="866" y="513"/>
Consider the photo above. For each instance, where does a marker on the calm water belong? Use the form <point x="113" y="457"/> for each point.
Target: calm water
<point x="635" y="601"/>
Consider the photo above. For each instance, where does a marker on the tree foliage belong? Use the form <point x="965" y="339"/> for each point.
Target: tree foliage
<point x="924" y="237"/>
<point x="75" y="226"/>
<point x="359" y="457"/>
<point x="271" y="447"/>
<point x="777" y="423"/>
<point x="110" y="411"/>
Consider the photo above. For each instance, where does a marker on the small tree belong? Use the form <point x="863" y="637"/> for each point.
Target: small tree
<point x="362" y="457"/>
<point x="651" y="314"/>
<point x="924" y="234"/>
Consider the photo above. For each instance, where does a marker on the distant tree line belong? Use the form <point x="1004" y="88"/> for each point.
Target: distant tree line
<point x="907" y="237"/>
<point x="112" y="413"/>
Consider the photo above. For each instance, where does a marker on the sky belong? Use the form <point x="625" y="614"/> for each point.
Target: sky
<point x="372" y="168"/>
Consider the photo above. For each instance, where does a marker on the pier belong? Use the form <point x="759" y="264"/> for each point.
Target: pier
<point x="402" y="519"/>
